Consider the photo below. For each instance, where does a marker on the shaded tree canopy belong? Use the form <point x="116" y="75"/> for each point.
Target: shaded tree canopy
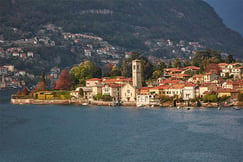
<point x="25" y="91"/>
<point x="177" y="63"/>
<point x="84" y="71"/>
<point x="64" y="81"/>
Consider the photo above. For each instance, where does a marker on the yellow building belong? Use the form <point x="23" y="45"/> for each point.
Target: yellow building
<point x="44" y="95"/>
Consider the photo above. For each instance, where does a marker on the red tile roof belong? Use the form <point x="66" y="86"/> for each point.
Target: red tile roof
<point x="192" y="67"/>
<point x="144" y="88"/>
<point x="222" y="64"/>
<point x="94" y="79"/>
<point x="113" y="85"/>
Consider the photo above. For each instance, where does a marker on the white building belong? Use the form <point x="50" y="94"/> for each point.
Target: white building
<point x="9" y="67"/>
<point x="146" y="100"/>
<point x="128" y="93"/>
<point x="112" y="90"/>
<point x="189" y="91"/>
<point x="209" y="77"/>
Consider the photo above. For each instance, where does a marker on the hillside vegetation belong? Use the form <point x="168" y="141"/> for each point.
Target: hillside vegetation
<point x="125" y="23"/>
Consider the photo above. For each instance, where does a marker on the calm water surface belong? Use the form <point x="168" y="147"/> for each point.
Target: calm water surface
<point x="33" y="133"/>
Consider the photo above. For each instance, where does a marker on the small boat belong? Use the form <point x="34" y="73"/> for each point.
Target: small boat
<point x="84" y="104"/>
<point x="219" y="108"/>
<point x="188" y="108"/>
<point x="236" y="108"/>
<point x="178" y="107"/>
<point x="140" y="105"/>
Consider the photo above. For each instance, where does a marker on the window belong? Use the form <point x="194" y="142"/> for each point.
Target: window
<point x="128" y="91"/>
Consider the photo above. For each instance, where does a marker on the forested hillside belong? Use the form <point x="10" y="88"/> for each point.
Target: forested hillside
<point x="125" y="23"/>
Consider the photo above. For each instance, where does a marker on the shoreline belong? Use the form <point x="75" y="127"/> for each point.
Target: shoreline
<point x="108" y="103"/>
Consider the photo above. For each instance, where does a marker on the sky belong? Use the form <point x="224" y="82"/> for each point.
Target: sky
<point x="231" y="11"/>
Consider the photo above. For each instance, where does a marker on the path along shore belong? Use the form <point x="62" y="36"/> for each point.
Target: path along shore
<point x="101" y="103"/>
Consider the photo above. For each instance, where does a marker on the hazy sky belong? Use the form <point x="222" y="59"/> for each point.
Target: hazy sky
<point x="231" y="11"/>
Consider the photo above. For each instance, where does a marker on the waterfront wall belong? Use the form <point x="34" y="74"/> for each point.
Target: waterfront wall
<point x="105" y="103"/>
<point x="46" y="102"/>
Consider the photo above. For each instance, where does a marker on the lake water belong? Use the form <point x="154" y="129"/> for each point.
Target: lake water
<point x="33" y="133"/>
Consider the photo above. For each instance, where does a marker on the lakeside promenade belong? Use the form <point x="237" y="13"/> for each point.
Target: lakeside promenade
<point x="110" y="103"/>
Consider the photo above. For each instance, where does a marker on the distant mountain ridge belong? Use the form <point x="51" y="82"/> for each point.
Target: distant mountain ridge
<point x="126" y="23"/>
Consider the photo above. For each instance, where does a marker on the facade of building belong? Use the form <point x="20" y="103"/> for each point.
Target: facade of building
<point x="128" y="93"/>
<point x="93" y="82"/>
<point x="189" y="92"/>
<point x="113" y="90"/>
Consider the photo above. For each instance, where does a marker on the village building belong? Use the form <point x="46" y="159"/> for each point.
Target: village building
<point x="93" y="82"/>
<point x="174" y="90"/>
<point x="2" y="83"/>
<point x="113" y="90"/>
<point x="222" y="65"/>
<point x="54" y="72"/>
<point x="209" y="77"/>
<point x="15" y="54"/>
<point x="233" y="94"/>
<point x="147" y="100"/>
<point x="207" y="87"/>
<point x="128" y="93"/>
<point x="144" y="90"/>
<point x="172" y="71"/>
<point x="199" y="78"/>
<point x="87" y="52"/>
<point x="117" y="80"/>
<point x="232" y="70"/>
<point x="190" y="70"/>
<point x="23" y="55"/>
<point x="3" y="70"/>
<point x="189" y="91"/>
<point x="157" y="90"/>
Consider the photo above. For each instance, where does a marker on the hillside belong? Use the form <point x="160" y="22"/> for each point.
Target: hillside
<point x="123" y="23"/>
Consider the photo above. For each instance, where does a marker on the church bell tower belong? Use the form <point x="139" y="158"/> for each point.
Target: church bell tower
<point x="137" y="73"/>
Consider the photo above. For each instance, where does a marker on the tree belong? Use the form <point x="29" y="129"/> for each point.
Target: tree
<point x="81" y="92"/>
<point x="229" y="59"/>
<point x="107" y="69"/>
<point x="84" y="71"/>
<point x="169" y="65"/>
<point x="210" y="98"/>
<point x="160" y="66"/>
<point x="25" y="91"/>
<point x="126" y="69"/>
<point x="115" y="71"/>
<point x="164" y="98"/>
<point x="157" y="74"/>
<point x="206" y="56"/>
<point x="214" y="68"/>
<point x="54" y="85"/>
<point x="18" y="93"/>
<point x="240" y="97"/>
<point x="147" y="68"/>
<point x="41" y="85"/>
<point x="186" y="63"/>
<point x="176" y="63"/>
<point x="64" y="81"/>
